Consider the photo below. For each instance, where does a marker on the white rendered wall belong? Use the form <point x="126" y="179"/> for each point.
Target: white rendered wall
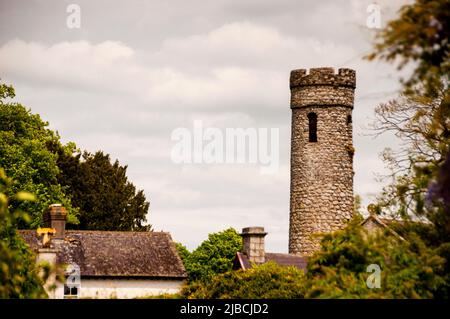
<point x="124" y="288"/>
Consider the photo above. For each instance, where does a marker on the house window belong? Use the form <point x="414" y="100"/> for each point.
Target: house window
<point x="71" y="292"/>
<point x="312" y="119"/>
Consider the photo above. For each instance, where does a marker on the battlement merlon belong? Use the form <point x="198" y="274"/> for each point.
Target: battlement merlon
<point x="323" y="76"/>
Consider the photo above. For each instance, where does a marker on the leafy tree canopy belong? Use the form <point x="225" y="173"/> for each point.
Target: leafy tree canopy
<point x="24" y="155"/>
<point x="420" y="35"/>
<point x="95" y="191"/>
<point x="343" y="268"/>
<point x="19" y="275"/>
<point x="408" y="268"/>
<point x="420" y="118"/>
<point x="214" y="256"/>
<point x="260" y="282"/>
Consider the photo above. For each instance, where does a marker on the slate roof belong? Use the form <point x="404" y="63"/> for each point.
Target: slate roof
<point x="116" y="253"/>
<point x="241" y="261"/>
<point x="373" y="222"/>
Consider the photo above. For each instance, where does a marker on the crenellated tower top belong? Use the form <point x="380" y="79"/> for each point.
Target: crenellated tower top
<point x="322" y="87"/>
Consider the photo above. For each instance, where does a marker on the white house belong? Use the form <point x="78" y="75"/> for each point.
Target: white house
<point x="107" y="264"/>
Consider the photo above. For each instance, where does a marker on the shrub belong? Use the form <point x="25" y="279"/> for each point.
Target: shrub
<point x="260" y="282"/>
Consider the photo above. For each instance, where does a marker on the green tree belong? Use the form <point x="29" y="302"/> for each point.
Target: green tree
<point x="425" y="136"/>
<point x="420" y="35"/>
<point x="106" y="199"/>
<point x="19" y="275"/>
<point x="420" y="117"/>
<point x="260" y="282"/>
<point x="93" y="190"/>
<point x="214" y="256"/>
<point x="439" y="194"/>
<point x="183" y="252"/>
<point x="409" y="269"/>
<point x="24" y="154"/>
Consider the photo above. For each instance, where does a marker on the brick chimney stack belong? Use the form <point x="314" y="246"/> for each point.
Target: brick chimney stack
<point x="55" y="217"/>
<point x="253" y="242"/>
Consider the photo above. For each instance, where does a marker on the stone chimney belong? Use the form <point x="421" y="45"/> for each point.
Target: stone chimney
<point x="55" y="217"/>
<point x="253" y="242"/>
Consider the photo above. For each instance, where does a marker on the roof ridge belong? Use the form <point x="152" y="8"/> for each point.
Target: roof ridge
<point x="104" y="231"/>
<point x="116" y="231"/>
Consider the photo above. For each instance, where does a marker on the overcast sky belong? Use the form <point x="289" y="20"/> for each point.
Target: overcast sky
<point x="136" y="70"/>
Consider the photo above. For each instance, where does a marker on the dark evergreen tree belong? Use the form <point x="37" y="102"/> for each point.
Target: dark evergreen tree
<point x="101" y="190"/>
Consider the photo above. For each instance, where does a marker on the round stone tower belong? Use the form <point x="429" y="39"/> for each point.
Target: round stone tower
<point x="321" y="155"/>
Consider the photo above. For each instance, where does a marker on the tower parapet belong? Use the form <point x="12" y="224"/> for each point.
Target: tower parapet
<point x="322" y="86"/>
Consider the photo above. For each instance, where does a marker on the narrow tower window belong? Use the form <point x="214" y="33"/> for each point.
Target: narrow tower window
<point x="312" y="117"/>
<point x="349" y="119"/>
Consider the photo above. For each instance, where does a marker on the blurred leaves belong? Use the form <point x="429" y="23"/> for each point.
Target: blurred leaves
<point x="420" y="35"/>
<point x="18" y="272"/>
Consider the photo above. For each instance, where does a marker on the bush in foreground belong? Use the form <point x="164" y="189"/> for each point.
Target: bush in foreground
<point x="260" y="282"/>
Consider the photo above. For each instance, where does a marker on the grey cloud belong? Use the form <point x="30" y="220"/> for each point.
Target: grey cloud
<point x="136" y="70"/>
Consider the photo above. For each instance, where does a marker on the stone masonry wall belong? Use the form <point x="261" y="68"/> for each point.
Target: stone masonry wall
<point x="322" y="171"/>
<point x="253" y="244"/>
